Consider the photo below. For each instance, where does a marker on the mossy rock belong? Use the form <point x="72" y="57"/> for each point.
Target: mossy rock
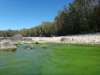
<point x="37" y="43"/>
<point x="8" y="49"/>
<point x="44" y="46"/>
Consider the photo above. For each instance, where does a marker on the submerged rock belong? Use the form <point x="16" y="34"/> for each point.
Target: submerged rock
<point x="8" y="49"/>
<point x="37" y="43"/>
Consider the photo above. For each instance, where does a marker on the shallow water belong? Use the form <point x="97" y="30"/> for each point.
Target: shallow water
<point x="24" y="61"/>
<point x="50" y="59"/>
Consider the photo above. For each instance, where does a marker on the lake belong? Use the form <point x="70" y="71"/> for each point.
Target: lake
<point x="51" y="59"/>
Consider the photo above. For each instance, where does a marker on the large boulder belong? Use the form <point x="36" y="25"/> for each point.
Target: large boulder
<point x="17" y="37"/>
<point x="7" y="44"/>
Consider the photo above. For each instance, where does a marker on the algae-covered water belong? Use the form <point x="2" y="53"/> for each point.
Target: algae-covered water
<point x="51" y="59"/>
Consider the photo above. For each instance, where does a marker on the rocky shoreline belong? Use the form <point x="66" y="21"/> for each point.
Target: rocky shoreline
<point x="74" y="39"/>
<point x="10" y="42"/>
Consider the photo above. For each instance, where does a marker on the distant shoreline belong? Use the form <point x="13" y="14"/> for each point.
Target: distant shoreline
<point x="81" y="38"/>
<point x="74" y="39"/>
<point x="8" y="42"/>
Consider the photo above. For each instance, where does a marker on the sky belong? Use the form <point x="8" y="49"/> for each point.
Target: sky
<point x="19" y="14"/>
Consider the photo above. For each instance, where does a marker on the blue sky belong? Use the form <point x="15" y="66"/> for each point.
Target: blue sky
<point x="18" y="14"/>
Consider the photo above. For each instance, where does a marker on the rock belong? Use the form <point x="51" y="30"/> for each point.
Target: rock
<point x="5" y="44"/>
<point x="37" y="43"/>
<point x="17" y="37"/>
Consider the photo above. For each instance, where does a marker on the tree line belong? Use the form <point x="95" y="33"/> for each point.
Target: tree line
<point x="82" y="16"/>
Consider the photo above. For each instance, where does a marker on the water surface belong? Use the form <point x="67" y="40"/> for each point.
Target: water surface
<point x="51" y="59"/>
